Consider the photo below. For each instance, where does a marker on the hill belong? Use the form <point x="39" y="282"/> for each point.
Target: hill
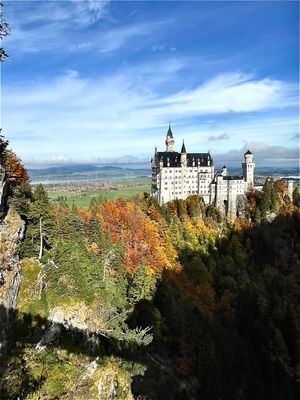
<point x="80" y="172"/>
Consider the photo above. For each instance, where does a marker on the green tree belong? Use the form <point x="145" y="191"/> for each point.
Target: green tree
<point x="22" y="199"/>
<point x="40" y="223"/>
<point x="142" y="284"/>
<point x="266" y="199"/>
<point x="296" y="196"/>
<point x="94" y="230"/>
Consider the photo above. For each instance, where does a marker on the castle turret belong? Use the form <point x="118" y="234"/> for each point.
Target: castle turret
<point x="248" y="169"/>
<point x="224" y="171"/>
<point x="169" y="140"/>
<point x="154" y="159"/>
<point x="183" y="154"/>
<point x="290" y="188"/>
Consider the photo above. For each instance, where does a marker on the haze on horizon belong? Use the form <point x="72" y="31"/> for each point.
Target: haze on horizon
<point x="98" y="81"/>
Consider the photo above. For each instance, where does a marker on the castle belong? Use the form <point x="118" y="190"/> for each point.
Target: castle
<point x="180" y="175"/>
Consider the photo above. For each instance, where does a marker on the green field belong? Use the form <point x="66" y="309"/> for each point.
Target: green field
<point x="131" y="187"/>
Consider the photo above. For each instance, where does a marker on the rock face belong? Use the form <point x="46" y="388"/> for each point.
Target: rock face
<point x="11" y="233"/>
<point x="4" y="186"/>
<point x="10" y="299"/>
<point x="79" y="318"/>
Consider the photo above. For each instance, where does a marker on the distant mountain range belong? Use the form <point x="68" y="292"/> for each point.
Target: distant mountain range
<point x="85" y="171"/>
<point x="108" y="172"/>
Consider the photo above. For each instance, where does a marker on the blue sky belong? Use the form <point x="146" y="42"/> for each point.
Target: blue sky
<point x="90" y="81"/>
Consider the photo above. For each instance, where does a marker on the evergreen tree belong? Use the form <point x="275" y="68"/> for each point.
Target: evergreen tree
<point x="40" y="219"/>
<point x="22" y="199"/>
<point x="94" y="230"/>
<point x="266" y="199"/>
<point x="296" y="197"/>
<point x="142" y="284"/>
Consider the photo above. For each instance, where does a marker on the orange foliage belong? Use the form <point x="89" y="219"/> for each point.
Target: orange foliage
<point x="84" y="213"/>
<point x="202" y="294"/>
<point x="241" y="224"/>
<point x="15" y="170"/>
<point x="252" y="200"/>
<point x="154" y="214"/>
<point x="280" y="187"/>
<point x="125" y="222"/>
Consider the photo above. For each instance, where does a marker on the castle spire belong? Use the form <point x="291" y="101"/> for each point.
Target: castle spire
<point x="170" y="133"/>
<point x="169" y="140"/>
<point x="183" y="150"/>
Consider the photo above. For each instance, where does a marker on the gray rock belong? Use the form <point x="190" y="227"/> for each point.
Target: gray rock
<point x="4" y="189"/>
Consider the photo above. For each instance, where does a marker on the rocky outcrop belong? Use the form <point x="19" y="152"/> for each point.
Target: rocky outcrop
<point x="79" y="318"/>
<point x="4" y="186"/>
<point x="10" y="299"/>
<point x="11" y="233"/>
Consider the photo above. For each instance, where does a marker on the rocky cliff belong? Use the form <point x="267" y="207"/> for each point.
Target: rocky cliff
<point x="4" y="185"/>
<point x="11" y="233"/>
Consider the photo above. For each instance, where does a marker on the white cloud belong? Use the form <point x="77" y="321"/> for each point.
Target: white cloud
<point x="78" y="11"/>
<point x="230" y="92"/>
<point x="221" y="136"/>
<point x="263" y="154"/>
<point x="116" y="38"/>
<point x="125" y="111"/>
<point x="40" y="162"/>
<point x="61" y="26"/>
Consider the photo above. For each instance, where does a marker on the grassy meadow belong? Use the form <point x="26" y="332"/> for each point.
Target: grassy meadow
<point x="130" y="188"/>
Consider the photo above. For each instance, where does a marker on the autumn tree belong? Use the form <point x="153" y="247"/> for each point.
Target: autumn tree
<point x="15" y="170"/>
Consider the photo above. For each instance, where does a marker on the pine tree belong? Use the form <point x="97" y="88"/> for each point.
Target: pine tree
<point x="266" y="199"/>
<point x="94" y="230"/>
<point x="296" y="197"/>
<point x="40" y="221"/>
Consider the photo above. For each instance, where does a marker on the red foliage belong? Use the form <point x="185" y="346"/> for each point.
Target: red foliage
<point x="252" y="200"/>
<point x="125" y="222"/>
<point x="280" y="187"/>
<point x="202" y="294"/>
<point x="16" y="172"/>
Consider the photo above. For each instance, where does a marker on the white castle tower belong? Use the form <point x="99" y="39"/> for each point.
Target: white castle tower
<point x="290" y="188"/>
<point x="248" y="169"/>
<point x="224" y="171"/>
<point x="169" y="140"/>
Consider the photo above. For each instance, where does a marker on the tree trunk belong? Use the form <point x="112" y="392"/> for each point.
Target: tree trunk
<point x="41" y="240"/>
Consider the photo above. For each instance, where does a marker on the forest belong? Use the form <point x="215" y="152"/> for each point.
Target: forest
<point x="127" y="299"/>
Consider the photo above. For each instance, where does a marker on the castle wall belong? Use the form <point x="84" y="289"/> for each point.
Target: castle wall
<point x="182" y="182"/>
